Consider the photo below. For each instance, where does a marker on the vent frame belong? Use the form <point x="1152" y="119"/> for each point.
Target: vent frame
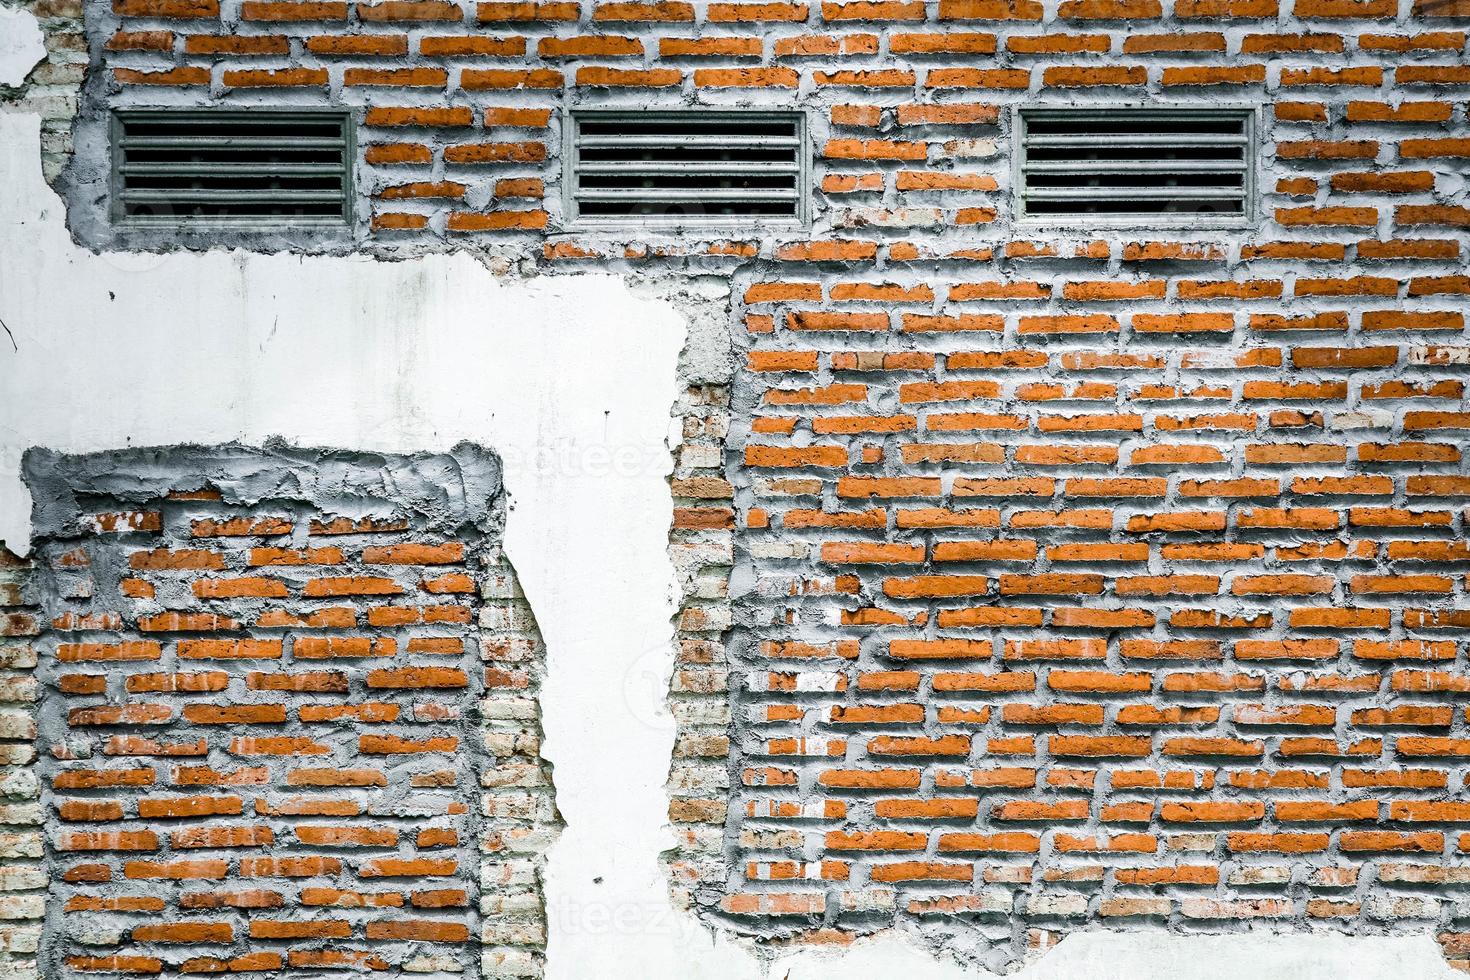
<point x="340" y="220"/>
<point x="571" y="171"/>
<point x="1248" y="115"/>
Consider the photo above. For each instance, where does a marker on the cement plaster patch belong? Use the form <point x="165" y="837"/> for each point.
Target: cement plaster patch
<point x="570" y="380"/>
<point x="445" y="492"/>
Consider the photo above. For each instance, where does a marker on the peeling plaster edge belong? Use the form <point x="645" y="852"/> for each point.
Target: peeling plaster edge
<point x="22" y="46"/>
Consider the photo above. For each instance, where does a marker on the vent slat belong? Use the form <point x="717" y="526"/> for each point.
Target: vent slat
<point x="654" y="194"/>
<point x="1135" y="166"/>
<point x="211" y="168"/>
<point x="1147" y="166"/>
<point x="259" y="167"/>
<point x="199" y="195"/>
<point x="679" y="142"/>
<point x="1114" y="140"/>
<point x="641" y="167"/>
<point x="687" y="166"/>
<point x="1138" y="193"/>
<point x="228" y="142"/>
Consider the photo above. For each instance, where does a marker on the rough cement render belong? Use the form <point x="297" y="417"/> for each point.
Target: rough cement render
<point x="706" y="303"/>
<point x="446" y="492"/>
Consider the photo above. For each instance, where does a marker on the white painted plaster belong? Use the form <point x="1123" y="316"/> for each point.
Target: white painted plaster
<point x="21" y="44"/>
<point x="571" y="380"/>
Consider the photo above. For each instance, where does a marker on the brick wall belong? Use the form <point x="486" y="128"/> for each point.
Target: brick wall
<point x="1032" y="578"/>
<point x="702" y="550"/>
<point x="270" y="741"/>
<point x="1153" y="628"/>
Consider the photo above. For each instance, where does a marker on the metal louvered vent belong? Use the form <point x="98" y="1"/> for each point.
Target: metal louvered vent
<point x="687" y="167"/>
<point x="1113" y="166"/>
<point x="256" y="167"/>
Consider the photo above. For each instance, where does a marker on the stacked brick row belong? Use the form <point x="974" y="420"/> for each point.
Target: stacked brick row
<point x="261" y="751"/>
<point x="22" y="879"/>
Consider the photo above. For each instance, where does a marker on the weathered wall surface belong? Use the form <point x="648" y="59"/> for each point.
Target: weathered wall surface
<point x="22" y="46"/>
<point x="1031" y="579"/>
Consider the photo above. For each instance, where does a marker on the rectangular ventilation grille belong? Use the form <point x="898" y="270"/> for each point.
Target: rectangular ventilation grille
<point x="249" y="167"/>
<point x="688" y="167"/>
<point x="1137" y="166"/>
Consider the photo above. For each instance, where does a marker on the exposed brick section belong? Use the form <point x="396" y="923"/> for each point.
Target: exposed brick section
<point x="53" y="87"/>
<point x="1137" y="600"/>
<point x="263" y="749"/>
<point x="518" y="809"/>
<point x="701" y="546"/>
